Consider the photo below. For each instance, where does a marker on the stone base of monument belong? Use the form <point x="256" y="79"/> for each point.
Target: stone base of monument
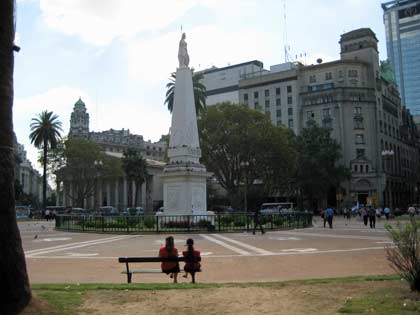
<point x="185" y="189"/>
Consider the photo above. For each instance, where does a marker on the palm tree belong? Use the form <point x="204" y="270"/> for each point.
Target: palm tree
<point x="45" y="134"/>
<point x="135" y="168"/>
<point x="14" y="284"/>
<point x="199" y="92"/>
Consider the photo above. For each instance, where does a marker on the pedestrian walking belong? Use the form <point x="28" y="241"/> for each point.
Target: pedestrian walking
<point x="257" y="221"/>
<point x="347" y="213"/>
<point x="387" y="211"/>
<point x="329" y="213"/>
<point x="324" y="217"/>
<point x="372" y="217"/>
<point x="364" y="215"/>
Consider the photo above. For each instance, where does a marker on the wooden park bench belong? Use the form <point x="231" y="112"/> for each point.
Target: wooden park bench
<point x="129" y="272"/>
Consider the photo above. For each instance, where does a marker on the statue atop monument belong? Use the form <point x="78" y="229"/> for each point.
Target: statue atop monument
<point x="183" y="57"/>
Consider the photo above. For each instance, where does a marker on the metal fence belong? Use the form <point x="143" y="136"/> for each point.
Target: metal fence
<point x="184" y="223"/>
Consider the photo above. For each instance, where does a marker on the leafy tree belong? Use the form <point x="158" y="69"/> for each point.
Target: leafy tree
<point x="199" y="92"/>
<point x="317" y="163"/>
<point x="82" y="163"/>
<point x="45" y="134"/>
<point x="135" y="168"/>
<point x="241" y="146"/>
<point x="14" y="282"/>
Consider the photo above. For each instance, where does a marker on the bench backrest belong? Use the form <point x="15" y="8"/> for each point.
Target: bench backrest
<point x="153" y="259"/>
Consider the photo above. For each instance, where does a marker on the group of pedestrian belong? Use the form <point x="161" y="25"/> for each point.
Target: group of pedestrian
<point x="171" y="268"/>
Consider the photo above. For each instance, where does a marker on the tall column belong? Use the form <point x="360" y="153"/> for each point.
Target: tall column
<point x="143" y="195"/>
<point x="116" y="199"/>
<point x="71" y="194"/>
<point x="133" y="193"/>
<point x="125" y="193"/>
<point x="57" y="201"/>
<point x="64" y="195"/>
<point x="100" y="193"/>
<point x="108" y="194"/>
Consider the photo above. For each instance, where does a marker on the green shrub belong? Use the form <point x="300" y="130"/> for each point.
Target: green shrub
<point x="405" y="255"/>
<point x="149" y="222"/>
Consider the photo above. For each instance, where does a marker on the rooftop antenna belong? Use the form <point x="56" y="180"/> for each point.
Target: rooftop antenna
<point x="287" y="57"/>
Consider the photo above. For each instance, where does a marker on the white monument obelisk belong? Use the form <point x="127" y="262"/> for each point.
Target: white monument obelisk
<point x="184" y="178"/>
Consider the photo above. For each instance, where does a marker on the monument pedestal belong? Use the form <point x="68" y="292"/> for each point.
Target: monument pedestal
<point x="185" y="190"/>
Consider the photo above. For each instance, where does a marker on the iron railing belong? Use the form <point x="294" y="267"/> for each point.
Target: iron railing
<point x="184" y="223"/>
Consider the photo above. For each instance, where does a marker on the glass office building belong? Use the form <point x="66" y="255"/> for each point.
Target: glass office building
<point x="402" y="28"/>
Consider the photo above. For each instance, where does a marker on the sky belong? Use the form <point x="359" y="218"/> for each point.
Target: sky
<point x="117" y="55"/>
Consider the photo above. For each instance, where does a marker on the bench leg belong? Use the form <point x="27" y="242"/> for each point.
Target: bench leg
<point x="129" y="274"/>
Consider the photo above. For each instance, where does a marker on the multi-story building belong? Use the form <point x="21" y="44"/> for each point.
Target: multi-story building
<point x="115" y="142"/>
<point x="28" y="177"/>
<point x="402" y="28"/>
<point x="222" y="84"/>
<point x="356" y="100"/>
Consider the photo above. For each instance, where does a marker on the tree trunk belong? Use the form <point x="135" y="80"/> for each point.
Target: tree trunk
<point x="44" y="179"/>
<point x="14" y="283"/>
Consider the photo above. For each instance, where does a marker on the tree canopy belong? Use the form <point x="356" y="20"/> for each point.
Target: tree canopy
<point x="242" y="147"/>
<point x="45" y="134"/>
<point x="199" y="92"/>
<point x="135" y="168"/>
<point x="81" y="163"/>
<point x="317" y="162"/>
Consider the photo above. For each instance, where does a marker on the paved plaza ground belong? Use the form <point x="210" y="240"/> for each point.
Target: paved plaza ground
<point x="346" y="250"/>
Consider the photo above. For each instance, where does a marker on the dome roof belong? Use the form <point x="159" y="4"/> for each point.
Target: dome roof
<point x="80" y="104"/>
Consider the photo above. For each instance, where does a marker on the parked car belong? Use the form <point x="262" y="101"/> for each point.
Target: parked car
<point x="108" y="210"/>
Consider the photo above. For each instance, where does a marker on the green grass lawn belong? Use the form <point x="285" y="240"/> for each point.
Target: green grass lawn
<point x="392" y="298"/>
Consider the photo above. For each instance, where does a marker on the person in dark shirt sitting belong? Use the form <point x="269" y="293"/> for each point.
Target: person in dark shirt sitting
<point x="192" y="260"/>
<point x="170" y="251"/>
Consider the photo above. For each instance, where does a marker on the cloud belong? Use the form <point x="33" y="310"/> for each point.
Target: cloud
<point x="98" y="22"/>
<point x="60" y="100"/>
<point x="140" y="117"/>
<point x="153" y="60"/>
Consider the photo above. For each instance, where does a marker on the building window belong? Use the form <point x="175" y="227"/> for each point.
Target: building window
<point x="278" y="91"/>
<point x="352" y="73"/>
<point x="360" y="139"/>
<point x="278" y="102"/>
<point x="255" y="94"/>
<point x="312" y="79"/>
<point x="328" y="76"/>
<point x="367" y="168"/>
<point x="357" y="110"/>
<point x="278" y="113"/>
<point x="360" y="153"/>
<point x="340" y="73"/>
<point x="246" y="97"/>
<point x="290" y="111"/>
<point x="310" y="115"/>
<point x="355" y="168"/>
<point x="290" y="123"/>
<point x="267" y="103"/>
<point x="257" y="106"/>
<point x="279" y="123"/>
<point x="326" y="112"/>
<point x="289" y="89"/>
<point x="289" y="100"/>
<point x="267" y="93"/>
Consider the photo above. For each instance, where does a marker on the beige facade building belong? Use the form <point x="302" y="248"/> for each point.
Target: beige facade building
<point x="350" y="96"/>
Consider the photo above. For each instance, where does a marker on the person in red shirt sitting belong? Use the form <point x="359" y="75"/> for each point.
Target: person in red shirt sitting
<point x="170" y="251"/>
<point x="193" y="258"/>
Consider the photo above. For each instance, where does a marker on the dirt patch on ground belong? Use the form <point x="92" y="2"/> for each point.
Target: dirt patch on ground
<point x="317" y="299"/>
<point x="37" y="307"/>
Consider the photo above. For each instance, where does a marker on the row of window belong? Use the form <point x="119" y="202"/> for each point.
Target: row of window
<point x="362" y="168"/>
<point x="352" y="73"/>
<point x="268" y="104"/>
<point x="267" y="93"/>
